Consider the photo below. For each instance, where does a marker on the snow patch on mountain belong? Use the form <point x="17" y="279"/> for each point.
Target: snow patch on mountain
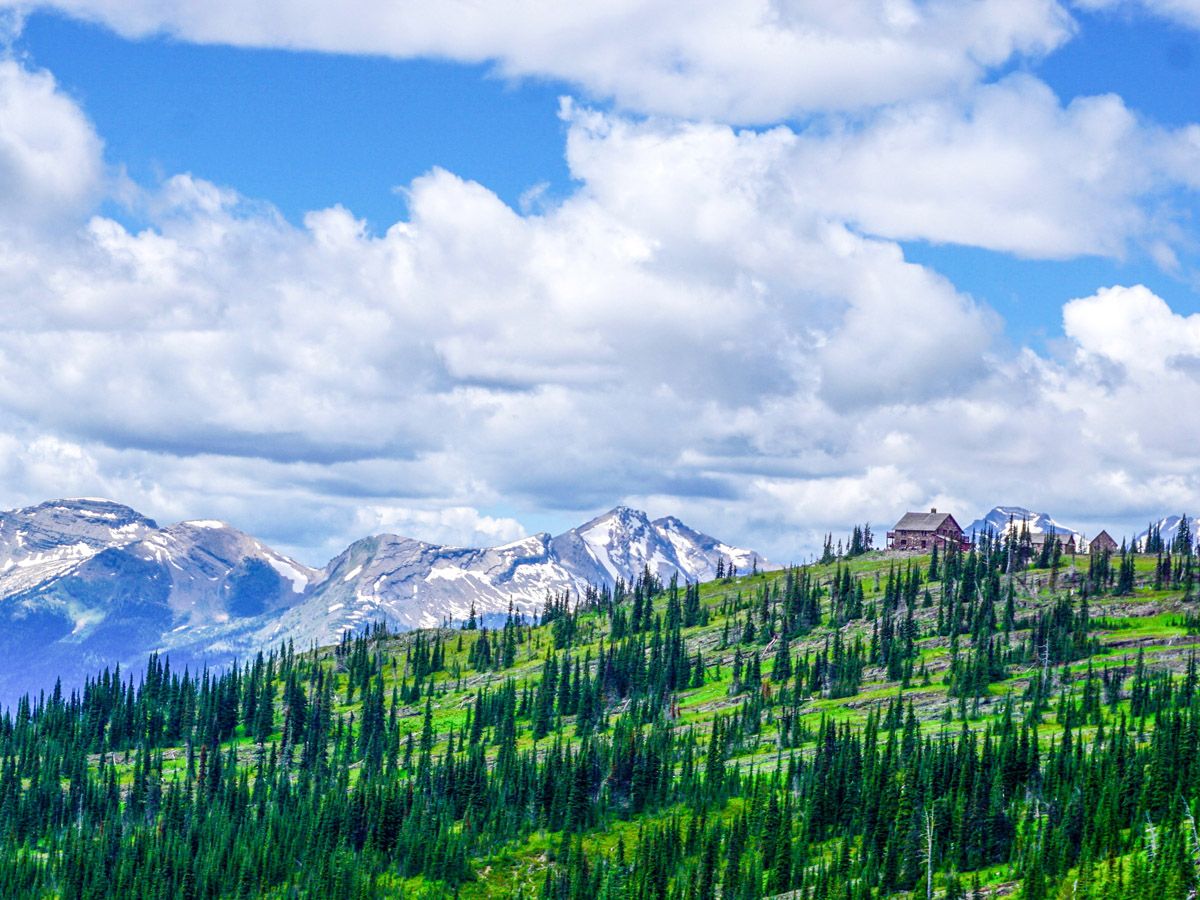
<point x="1168" y="527"/>
<point x="413" y="584"/>
<point x="43" y="542"/>
<point x="288" y="569"/>
<point x="1000" y="518"/>
<point x="88" y="583"/>
<point x="91" y="583"/>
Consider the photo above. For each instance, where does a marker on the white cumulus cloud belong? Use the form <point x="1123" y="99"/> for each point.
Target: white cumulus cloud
<point x="1186" y="12"/>
<point x="460" y="526"/>
<point x="735" y="60"/>
<point x="49" y="153"/>
<point x="712" y="321"/>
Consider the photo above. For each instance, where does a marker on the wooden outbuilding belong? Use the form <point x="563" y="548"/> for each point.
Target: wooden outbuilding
<point x="1065" y="538"/>
<point x="1103" y="543"/>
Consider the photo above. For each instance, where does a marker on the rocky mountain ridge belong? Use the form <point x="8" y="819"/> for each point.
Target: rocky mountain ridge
<point x="1000" y="518"/>
<point x="88" y="583"/>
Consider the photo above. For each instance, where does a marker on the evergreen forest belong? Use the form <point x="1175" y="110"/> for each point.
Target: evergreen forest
<point x="1004" y="721"/>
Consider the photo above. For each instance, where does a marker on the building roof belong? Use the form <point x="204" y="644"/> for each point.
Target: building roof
<point x="1042" y="536"/>
<point x="1103" y="537"/>
<point x="930" y="521"/>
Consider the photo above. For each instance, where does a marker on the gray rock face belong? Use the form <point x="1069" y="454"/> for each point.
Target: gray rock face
<point x="218" y="573"/>
<point x="412" y="584"/>
<point x="623" y="542"/>
<point x="41" y="542"/>
<point x="90" y="583"/>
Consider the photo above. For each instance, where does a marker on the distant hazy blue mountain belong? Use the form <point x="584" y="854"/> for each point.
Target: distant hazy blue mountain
<point x="87" y="583"/>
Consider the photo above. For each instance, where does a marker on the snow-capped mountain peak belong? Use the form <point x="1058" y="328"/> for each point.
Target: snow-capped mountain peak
<point x="411" y="583"/>
<point x="90" y="582"/>
<point x="699" y="552"/>
<point x="41" y="542"/>
<point x="87" y="583"/>
<point x="1000" y="518"/>
<point x="1167" y="527"/>
<point x="623" y="542"/>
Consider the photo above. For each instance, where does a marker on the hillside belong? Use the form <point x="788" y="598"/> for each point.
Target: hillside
<point x="882" y="726"/>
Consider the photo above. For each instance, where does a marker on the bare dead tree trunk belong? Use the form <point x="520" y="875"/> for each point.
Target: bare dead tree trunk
<point x="928" y="855"/>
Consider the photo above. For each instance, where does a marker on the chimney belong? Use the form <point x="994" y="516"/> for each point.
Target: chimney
<point x="933" y="510"/>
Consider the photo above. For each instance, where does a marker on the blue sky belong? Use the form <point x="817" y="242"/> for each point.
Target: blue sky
<point x="306" y="130"/>
<point x="1153" y="63"/>
<point x="303" y="130"/>
<point x="1154" y="66"/>
<point x="765" y="289"/>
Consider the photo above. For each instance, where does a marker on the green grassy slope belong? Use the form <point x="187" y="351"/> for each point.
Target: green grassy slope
<point x="893" y="666"/>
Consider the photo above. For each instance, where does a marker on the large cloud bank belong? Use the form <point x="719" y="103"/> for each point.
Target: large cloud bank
<point x="718" y="322"/>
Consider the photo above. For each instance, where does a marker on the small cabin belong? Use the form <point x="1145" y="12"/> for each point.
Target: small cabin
<point x="924" y="531"/>
<point x="1065" y="538"/>
<point x="1103" y="543"/>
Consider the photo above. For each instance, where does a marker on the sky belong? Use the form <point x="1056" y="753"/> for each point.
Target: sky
<point x="468" y="271"/>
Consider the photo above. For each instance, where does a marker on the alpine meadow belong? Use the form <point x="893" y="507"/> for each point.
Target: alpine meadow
<point x="951" y="724"/>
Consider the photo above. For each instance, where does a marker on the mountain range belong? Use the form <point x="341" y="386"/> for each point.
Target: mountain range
<point x="998" y="518"/>
<point x="88" y="583"/>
